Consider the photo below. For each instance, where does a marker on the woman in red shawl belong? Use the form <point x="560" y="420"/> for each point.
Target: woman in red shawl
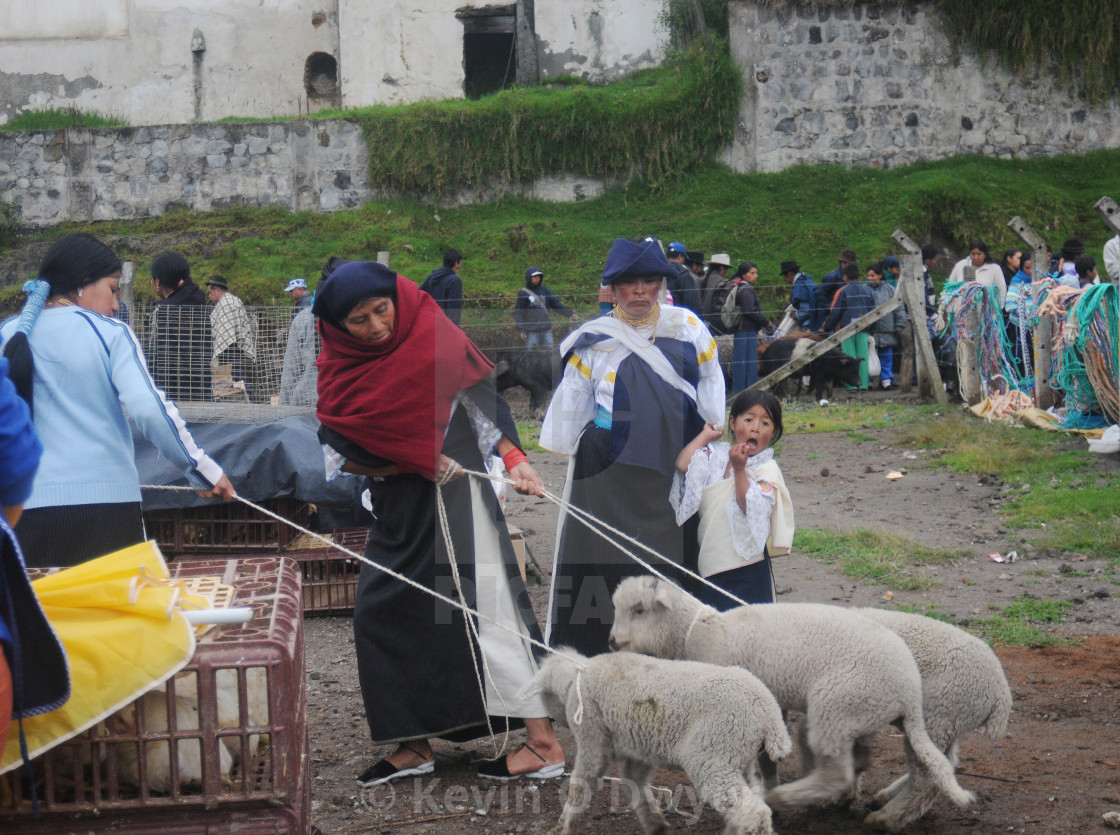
<point x="404" y="397"/>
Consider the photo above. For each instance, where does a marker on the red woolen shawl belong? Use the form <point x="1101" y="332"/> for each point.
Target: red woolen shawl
<point x="394" y="398"/>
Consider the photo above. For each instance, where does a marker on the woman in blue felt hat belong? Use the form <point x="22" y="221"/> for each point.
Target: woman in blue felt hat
<point x="638" y="385"/>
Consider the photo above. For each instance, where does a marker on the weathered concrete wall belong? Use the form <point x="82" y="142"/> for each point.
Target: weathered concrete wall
<point x="82" y="175"/>
<point x="136" y="60"/>
<point x="142" y="59"/>
<point x="881" y="85"/>
<point x="599" y="39"/>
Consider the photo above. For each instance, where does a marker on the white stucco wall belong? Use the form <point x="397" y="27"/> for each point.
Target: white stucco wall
<point x="398" y="51"/>
<point x="599" y="39"/>
<point x="134" y="59"/>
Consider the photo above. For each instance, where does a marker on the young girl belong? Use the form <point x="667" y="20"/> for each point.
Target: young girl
<point x="746" y="515"/>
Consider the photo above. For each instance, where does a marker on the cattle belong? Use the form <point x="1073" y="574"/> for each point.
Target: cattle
<point x="537" y="371"/>
<point x="824" y="372"/>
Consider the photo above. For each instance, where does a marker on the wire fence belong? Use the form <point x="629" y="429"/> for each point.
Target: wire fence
<point x="262" y="367"/>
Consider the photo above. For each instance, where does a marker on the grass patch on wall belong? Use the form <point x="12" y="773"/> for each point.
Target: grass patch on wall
<point x="60" y="118"/>
<point x="652" y="125"/>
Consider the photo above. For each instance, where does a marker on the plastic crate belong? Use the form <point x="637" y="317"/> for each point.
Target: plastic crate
<point x="330" y="578"/>
<point x="128" y="773"/>
<point x="226" y="528"/>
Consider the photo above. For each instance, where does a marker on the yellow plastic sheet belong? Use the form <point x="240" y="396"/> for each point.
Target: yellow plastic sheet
<point x="119" y="618"/>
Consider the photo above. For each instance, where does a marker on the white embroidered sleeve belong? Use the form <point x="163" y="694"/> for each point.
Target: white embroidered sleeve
<point x="706" y="467"/>
<point x="750" y="530"/>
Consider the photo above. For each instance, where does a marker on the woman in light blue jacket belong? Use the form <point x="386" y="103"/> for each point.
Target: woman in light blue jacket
<point x="79" y="369"/>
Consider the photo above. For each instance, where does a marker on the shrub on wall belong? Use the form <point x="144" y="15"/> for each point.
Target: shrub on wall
<point x="652" y="125"/>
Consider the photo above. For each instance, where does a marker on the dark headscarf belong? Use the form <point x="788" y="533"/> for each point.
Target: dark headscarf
<point x="71" y="263"/>
<point x="635" y="259"/>
<point x="350" y="285"/>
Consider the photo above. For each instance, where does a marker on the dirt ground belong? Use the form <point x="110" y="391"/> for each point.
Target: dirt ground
<point x="1056" y="771"/>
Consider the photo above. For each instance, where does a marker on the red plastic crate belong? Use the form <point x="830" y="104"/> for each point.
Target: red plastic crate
<point x="121" y="774"/>
<point x="330" y="577"/>
<point x="226" y="528"/>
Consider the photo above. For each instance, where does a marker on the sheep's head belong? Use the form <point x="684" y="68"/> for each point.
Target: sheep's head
<point x="553" y="681"/>
<point x="644" y="621"/>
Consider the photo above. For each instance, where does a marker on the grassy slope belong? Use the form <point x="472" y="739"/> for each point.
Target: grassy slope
<point x="808" y="213"/>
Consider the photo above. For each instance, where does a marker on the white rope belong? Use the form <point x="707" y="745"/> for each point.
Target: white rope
<point x="704" y="609"/>
<point x="374" y="564"/>
<point x="468" y="622"/>
<point x="579" y="513"/>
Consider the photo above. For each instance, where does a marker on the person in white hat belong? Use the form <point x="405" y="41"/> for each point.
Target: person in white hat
<point x="718" y="266"/>
<point x="297" y="290"/>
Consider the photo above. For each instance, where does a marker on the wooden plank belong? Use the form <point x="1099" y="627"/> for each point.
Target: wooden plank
<point x="912" y="287"/>
<point x="832" y="341"/>
<point x="1043" y="334"/>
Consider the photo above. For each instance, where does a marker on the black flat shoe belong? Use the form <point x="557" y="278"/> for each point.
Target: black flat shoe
<point x="384" y="771"/>
<point x="499" y="770"/>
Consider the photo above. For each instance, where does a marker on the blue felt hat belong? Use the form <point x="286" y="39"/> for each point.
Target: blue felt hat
<point x="631" y="259"/>
<point x="891" y="261"/>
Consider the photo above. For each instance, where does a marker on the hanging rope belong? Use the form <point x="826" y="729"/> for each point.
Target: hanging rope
<point x="597" y="525"/>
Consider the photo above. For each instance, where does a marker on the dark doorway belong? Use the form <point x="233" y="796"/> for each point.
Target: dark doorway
<point x="320" y="82"/>
<point x="489" y="50"/>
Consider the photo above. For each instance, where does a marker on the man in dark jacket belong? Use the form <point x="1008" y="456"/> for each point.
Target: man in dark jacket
<point x="682" y="286"/>
<point x="803" y="294"/>
<point x="444" y="285"/>
<point x="829" y="285"/>
<point x="853" y="301"/>
<point x="178" y="346"/>
<point x="530" y="311"/>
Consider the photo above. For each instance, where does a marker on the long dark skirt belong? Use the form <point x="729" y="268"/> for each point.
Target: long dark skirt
<point x="416" y="664"/>
<point x="72" y="534"/>
<point x="589" y="568"/>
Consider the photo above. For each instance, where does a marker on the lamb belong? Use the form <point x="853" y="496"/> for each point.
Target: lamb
<point x="646" y="713"/>
<point x="963" y="689"/>
<point x="846" y="673"/>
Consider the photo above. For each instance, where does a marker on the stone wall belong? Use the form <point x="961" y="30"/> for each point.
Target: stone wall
<point x="103" y="174"/>
<point x="882" y="85"/>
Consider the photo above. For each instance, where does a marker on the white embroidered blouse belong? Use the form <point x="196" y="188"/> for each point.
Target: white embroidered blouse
<point x="729" y="536"/>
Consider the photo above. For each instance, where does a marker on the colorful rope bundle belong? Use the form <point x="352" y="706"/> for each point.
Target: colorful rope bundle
<point x="1078" y="314"/>
<point x="998" y="372"/>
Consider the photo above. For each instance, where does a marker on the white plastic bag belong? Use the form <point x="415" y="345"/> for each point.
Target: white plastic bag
<point x="1107" y="443"/>
<point x="874" y="369"/>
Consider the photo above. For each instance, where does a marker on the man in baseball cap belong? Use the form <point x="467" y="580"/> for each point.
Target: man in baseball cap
<point x="682" y="285"/>
<point x="297" y="289"/>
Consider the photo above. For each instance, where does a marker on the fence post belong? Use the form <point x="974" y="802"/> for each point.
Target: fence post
<point x="968" y="362"/>
<point x="383" y="258"/>
<point x="128" y="277"/>
<point x="1043" y="334"/>
<point x="911" y="288"/>
<point x="1110" y="213"/>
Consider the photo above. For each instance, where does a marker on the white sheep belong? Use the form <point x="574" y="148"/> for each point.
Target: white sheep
<point x="963" y="689"/>
<point x="647" y="713"/>
<point x="846" y="673"/>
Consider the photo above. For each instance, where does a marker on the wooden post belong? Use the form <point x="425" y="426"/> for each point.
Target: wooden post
<point x="1043" y="334"/>
<point x="1108" y="210"/>
<point x="128" y="279"/>
<point x="912" y="289"/>
<point x="968" y="362"/>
